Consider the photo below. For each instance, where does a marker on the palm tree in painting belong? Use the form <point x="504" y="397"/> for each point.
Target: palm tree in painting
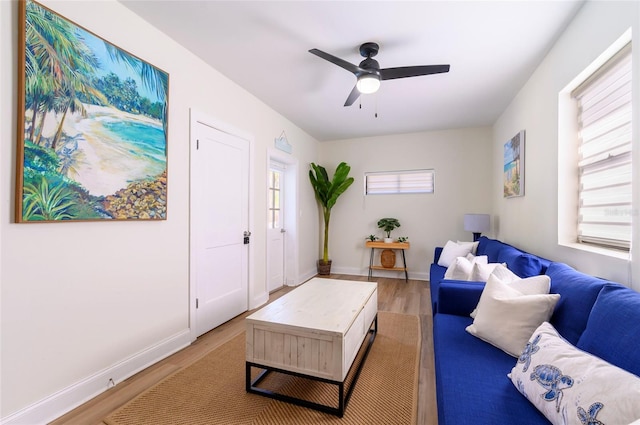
<point x="67" y="98"/>
<point x="44" y="65"/>
<point x="154" y="79"/>
<point x="58" y="67"/>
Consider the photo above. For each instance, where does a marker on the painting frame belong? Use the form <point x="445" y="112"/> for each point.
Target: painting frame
<point x="92" y="130"/>
<point x="513" y="166"/>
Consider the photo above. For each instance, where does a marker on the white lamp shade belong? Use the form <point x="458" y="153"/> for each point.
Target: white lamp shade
<point x="477" y="223"/>
<point x="368" y="84"/>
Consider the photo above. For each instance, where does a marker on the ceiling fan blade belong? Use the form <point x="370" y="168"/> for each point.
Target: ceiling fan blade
<point x="355" y="94"/>
<point x="412" y="71"/>
<point x="354" y="69"/>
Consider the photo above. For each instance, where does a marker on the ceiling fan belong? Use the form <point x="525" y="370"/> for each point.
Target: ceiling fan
<point x="369" y="73"/>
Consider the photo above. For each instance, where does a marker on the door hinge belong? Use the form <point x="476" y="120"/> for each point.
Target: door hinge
<point x="197" y="303"/>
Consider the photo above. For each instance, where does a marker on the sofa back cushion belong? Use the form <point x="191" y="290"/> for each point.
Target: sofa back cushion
<point x="489" y="247"/>
<point x="578" y="293"/>
<point x="613" y="327"/>
<point x="519" y="262"/>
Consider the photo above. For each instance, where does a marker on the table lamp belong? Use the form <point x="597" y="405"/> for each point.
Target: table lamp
<point x="477" y="223"/>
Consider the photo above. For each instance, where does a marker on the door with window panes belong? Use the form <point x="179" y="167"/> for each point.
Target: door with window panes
<point x="275" y="229"/>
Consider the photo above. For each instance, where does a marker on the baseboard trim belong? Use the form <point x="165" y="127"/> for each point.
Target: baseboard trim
<point x="306" y="276"/>
<point x="67" y="399"/>
<point x="379" y="273"/>
<point x="259" y="300"/>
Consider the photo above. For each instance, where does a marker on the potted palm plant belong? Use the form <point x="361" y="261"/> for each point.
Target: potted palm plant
<point x="327" y="193"/>
<point x="387" y="225"/>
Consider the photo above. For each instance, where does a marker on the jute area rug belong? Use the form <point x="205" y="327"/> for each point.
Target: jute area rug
<point x="212" y="390"/>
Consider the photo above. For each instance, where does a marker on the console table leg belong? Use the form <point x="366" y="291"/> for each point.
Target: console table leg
<point x="406" y="272"/>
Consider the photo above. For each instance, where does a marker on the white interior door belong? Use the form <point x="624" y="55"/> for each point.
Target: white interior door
<point x="220" y="191"/>
<point x="275" y="227"/>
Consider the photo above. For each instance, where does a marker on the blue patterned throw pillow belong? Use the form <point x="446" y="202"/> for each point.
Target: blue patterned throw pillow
<point x="570" y="386"/>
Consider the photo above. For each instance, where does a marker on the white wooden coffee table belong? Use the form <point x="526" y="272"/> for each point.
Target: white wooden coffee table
<point x="315" y="332"/>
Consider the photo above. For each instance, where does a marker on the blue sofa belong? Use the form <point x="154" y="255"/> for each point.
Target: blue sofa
<point x="598" y="316"/>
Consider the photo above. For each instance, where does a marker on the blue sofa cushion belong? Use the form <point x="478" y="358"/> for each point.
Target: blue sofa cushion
<point x="519" y="262"/>
<point x="613" y="327"/>
<point x="578" y="292"/>
<point x="459" y="297"/>
<point x="489" y="247"/>
<point x="472" y="386"/>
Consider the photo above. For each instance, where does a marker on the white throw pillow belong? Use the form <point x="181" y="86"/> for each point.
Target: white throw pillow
<point x="474" y="246"/>
<point x="451" y="251"/>
<point x="480" y="259"/>
<point x="529" y="286"/>
<point x="506" y="318"/>
<point x="460" y="269"/>
<point x="481" y="272"/>
<point x="570" y="386"/>
<point x="505" y="275"/>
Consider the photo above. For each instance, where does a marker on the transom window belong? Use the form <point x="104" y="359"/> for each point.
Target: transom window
<point x="398" y="182"/>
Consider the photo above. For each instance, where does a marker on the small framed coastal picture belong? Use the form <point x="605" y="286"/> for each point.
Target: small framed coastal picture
<point x="513" y="171"/>
<point x="92" y="127"/>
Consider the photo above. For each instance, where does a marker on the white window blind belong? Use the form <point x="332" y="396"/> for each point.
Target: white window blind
<point x="395" y="182"/>
<point x="604" y="152"/>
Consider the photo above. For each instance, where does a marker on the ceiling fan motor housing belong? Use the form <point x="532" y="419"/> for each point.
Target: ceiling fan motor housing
<point x="369" y="50"/>
<point x="371" y="66"/>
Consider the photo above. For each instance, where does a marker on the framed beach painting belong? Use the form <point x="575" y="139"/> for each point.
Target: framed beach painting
<point x="513" y="171"/>
<point x="92" y="126"/>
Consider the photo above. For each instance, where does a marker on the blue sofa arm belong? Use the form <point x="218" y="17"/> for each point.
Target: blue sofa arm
<point x="458" y="297"/>
<point x="436" y="254"/>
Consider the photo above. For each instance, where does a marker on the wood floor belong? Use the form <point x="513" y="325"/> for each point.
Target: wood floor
<point x="394" y="295"/>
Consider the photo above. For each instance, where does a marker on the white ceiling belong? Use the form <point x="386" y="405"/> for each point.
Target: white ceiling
<point x="493" y="47"/>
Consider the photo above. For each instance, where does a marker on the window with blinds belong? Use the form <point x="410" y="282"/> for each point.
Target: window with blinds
<point x="397" y="182"/>
<point x="604" y="154"/>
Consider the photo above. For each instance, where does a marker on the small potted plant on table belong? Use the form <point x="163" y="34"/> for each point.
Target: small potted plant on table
<point x="387" y="225"/>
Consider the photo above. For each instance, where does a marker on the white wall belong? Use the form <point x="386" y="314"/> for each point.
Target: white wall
<point x="82" y="302"/>
<point x="462" y="162"/>
<point x="531" y="221"/>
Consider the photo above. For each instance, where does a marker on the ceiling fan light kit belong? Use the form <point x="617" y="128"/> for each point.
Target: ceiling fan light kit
<point x="368" y="83"/>
<point x="368" y="73"/>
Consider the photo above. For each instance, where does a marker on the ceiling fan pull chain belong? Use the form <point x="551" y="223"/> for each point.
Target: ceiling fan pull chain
<point x="376" y="105"/>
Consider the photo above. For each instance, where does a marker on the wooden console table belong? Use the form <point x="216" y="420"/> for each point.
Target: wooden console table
<point x="393" y="245"/>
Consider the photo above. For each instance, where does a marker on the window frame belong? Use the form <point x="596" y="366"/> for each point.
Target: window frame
<point x="402" y="187"/>
<point x="567" y="178"/>
<point x="604" y="208"/>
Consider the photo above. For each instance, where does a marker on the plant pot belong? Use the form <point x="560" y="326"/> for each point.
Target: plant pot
<point x="388" y="240"/>
<point x="324" y="268"/>
<point x="388" y="258"/>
